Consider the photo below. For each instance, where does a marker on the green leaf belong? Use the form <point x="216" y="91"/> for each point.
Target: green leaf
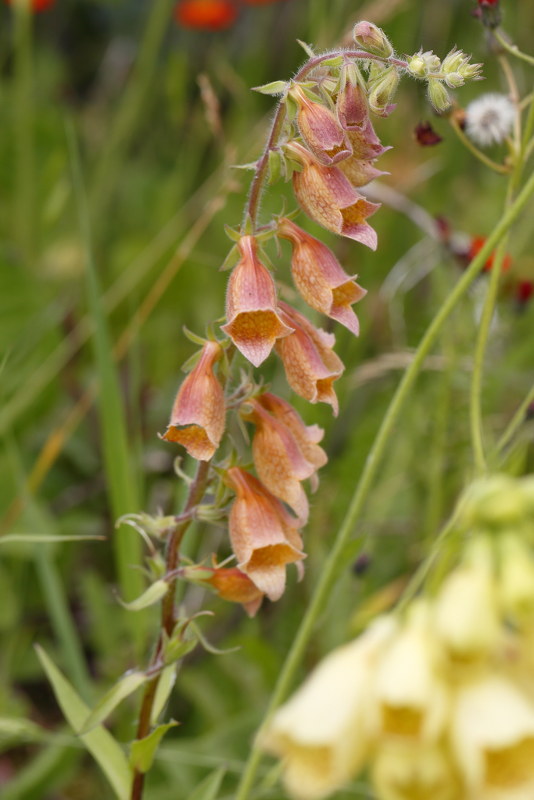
<point x="275" y="165"/>
<point x="207" y="790"/>
<point x="99" y="742"/>
<point x="308" y="49"/>
<point x="119" y="692"/>
<point x="335" y="61"/>
<point x="274" y="88"/>
<point x="152" y="595"/>
<point x="165" y="686"/>
<point x="142" y="751"/>
<point x="45" y="538"/>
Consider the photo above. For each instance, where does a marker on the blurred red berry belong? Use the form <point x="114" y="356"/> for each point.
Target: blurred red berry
<point x="524" y="292"/>
<point x="425" y="135"/>
<point x="477" y="243"/>
<point x="36" y="5"/>
<point x="209" y="15"/>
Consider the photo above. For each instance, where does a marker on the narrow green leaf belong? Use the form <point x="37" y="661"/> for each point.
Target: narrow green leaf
<point x="335" y="61"/>
<point x="99" y="742"/>
<point x="207" y="790"/>
<point x="152" y="595"/>
<point x="308" y="49"/>
<point x="273" y="88"/>
<point x="119" y="692"/>
<point x="45" y="538"/>
<point x="142" y="751"/>
<point x="166" y="683"/>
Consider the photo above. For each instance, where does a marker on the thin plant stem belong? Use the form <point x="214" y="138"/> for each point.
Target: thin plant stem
<point x="512" y="48"/>
<point x="514" y="424"/>
<point x="337" y="554"/>
<point x="23" y="118"/>
<point x="502" y="169"/>
<point x="168" y="619"/>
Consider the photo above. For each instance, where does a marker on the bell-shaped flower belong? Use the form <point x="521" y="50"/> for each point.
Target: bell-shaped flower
<point x="320" y="129"/>
<point x="280" y="461"/>
<point x="198" y="414"/>
<point x="409" y="770"/>
<point x="253" y="321"/>
<point x="310" y="364"/>
<point x="229" y="582"/>
<point x="413" y="700"/>
<point x="264" y="536"/>
<point x="325" y="731"/>
<point x="307" y="437"/>
<point x="466" y="613"/>
<point x="351" y="106"/>
<point x="492" y="736"/>
<point x="328" y="197"/>
<point x="320" y="278"/>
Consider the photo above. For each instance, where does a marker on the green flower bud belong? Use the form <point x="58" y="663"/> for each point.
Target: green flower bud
<point x="470" y="71"/>
<point x="454" y="79"/>
<point x="383" y="91"/>
<point x="372" y="39"/>
<point x="438" y="95"/>
<point x="452" y="60"/>
<point x="417" y="66"/>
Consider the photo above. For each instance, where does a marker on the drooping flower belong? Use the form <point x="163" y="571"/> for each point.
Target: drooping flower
<point x="198" y="414"/>
<point x="310" y="364"/>
<point x="328" y="197"/>
<point x="254" y="323"/>
<point x="211" y="15"/>
<point x="230" y="583"/>
<point x="320" y="278"/>
<point x="325" y="731"/>
<point x="351" y="106"/>
<point x="489" y="119"/>
<point x="492" y="735"/>
<point x="320" y="129"/>
<point x="279" y="459"/>
<point x="263" y="534"/>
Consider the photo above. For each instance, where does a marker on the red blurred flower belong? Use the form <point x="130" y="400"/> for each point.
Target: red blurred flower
<point x="477" y="243"/>
<point x="488" y="2"/>
<point x="36" y="5"/>
<point x="259" y="2"/>
<point x="524" y="292"/>
<point x="210" y="15"/>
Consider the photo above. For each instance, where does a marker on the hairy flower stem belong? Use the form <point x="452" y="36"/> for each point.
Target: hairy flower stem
<point x="168" y="619"/>
<point x="258" y="181"/>
<point x="336" y="558"/>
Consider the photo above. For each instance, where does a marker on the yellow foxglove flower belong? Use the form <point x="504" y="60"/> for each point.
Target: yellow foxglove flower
<point x="410" y="771"/>
<point x="325" y="731"/>
<point x="413" y="700"/>
<point x="516" y="579"/>
<point x="492" y="735"/>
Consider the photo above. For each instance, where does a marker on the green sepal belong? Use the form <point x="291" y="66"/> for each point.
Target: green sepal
<point x="273" y="88"/>
<point x="152" y="595"/>
<point x="231" y="259"/>
<point x="275" y="166"/>
<point x="308" y="49"/>
<point x="233" y="233"/>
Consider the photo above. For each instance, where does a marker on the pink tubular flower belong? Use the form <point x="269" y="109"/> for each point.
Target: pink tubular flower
<point x="328" y="197"/>
<point x="279" y="459"/>
<point x="198" y="414"/>
<point x="310" y="364"/>
<point x="319" y="277"/>
<point x="263" y="534"/>
<point x="307" y="437"/>
<point x="253" y="320"/>
<point x="320" y="129"/>
<point x="351" y="107"/>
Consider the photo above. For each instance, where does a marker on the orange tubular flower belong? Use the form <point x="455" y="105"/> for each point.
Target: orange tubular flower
<point x="233" y="585"/>
<point x="307" y="437"/>
<point x="253" y="324"/>
<point x="320" y="129"/>
<point x="263" y="534"/>
<point x="328" y="197"/>
<point x="320" y="278"/>
<point x="279" y="458"/>
<point x="310" y="364"/>
<point x="210" y="15"/>
<point x="198" y="414"/>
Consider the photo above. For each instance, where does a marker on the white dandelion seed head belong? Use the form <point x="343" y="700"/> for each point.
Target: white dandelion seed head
<point x="489" y="119"/>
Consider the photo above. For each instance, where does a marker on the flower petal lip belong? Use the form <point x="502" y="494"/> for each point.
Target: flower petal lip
<point x="320" y="278"/>
<point x="328" y="197"/>
<point x="310" y="364"/>
<point x="262" y="537"/>
<point x="254" y="323"/>
<point x="320" y="129"/>
<point x="198" y="415"/>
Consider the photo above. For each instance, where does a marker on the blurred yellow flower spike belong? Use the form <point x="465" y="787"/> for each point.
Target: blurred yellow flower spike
<point x="325" y="732"/>
<point x="408" y="770"/>
<point x="198" y="414"/>
<point x="253" y="321"/>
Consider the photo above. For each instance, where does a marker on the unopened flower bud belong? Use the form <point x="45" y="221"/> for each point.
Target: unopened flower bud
<point x="320" y="129"/>
<point x="432" y="61"/>
<point x="454" y="80"/>
<point x="383" y="91"/>
<point x="372" y="39"/>
<point x="470" y="71"/>
<point x="417" y="66"/>
<point x="438" y="95"/>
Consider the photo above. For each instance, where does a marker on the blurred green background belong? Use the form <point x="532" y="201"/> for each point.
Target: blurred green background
<point x="158" y="114"/>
